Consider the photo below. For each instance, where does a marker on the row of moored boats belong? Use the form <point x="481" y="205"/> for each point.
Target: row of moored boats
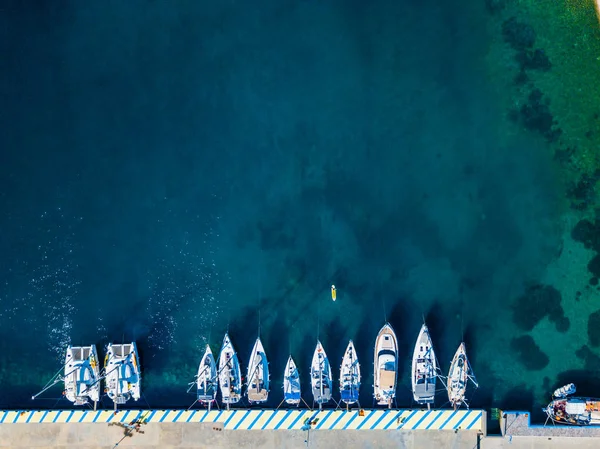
<point x="121" y="374"/>
<point x="226" y="374"/>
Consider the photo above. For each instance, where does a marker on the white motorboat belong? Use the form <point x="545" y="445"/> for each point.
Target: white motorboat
<point x="206" y="380"/>
<point x="291" y="383"/>
<point x="258" y="374"/>
<point x="424" y="369"/>
<point x="320" y="376"/>
<point x="122" y="373"/>
<point x="458" y="377"/>
<point x="350" y="376"/>
<point x="82" y="375"/>
<point x="564" y="391"/>
<point x="230" y="377"/>
<point x="386" y="366"/>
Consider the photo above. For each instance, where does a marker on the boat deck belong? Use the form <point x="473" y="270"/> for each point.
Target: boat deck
<point x="258" y="396"/>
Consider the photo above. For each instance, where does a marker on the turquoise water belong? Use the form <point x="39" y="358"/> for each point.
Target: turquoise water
<point x="172" y="171"/>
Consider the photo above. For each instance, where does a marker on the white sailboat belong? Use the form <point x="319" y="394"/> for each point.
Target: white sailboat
<point x="206" y="380"/>
<point x="291" y="383"/>
<point x="350" y="376"/>
<point x="258" y="374"/>
<point x="82" y="378"/>
<point x="320" y="376"/>
<point x="458" y="377"/>
<point x="230" y="377"/>
<point x="424" y="369"/>
<point x="385" y="365"/>
<point x="122" y="373"/>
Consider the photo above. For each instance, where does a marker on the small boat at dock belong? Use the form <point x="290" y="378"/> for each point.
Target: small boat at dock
<point x="122" y="373"/>
<point x="574" y="411"/>
<point x="385" y="366"/>
<point x="350" y="376"/>
<point x="291" y="383"/>
<point x="206" y="379"/>
<point x="320" y="376"/>
<point x="458" y="377"/>
<point x="230" y="377"/>
<point x="258" y="374"/>
<point x="424" y="369"/>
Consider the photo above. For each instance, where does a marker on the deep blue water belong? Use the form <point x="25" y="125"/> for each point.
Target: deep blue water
<point x="168" y="170"/>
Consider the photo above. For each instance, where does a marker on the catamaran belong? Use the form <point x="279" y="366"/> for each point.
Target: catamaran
<point x="122" y="373"/>
<point x="206" y="380"/>
<point x="386" y="365"/>
<point x="424" y="369"/>
<point x="258" y="374"/>
<point x="320" y="376"/>
<point x="80" y="375"/>
<point x="575" y="411"/>
<point x="350" y="376"/>
<point x="291" y="383"/>
<point x="82" y="378"/>
<point x="458" y="377"/>
<point x="230" y="377"/>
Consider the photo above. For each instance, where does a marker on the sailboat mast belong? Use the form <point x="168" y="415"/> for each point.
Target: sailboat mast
<point x="117" y="391"/>
<point x="320" y="384"/>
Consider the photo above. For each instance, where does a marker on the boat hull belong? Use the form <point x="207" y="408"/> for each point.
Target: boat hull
<point x="320" y="375"/>
<point x="385" y="366"/>
<point x="350" y="376"/>
<point x="123" y="373"/>
<point x="291" y="383"/>
<point x="206" y="380"/>
<point x="81" y="376"/>
<point x="458" y="377"/>
<point x="230" y="378"/>
<point x="574" y="411"/>
<point x="424" y="369"/>
<point x="258" y="374"/>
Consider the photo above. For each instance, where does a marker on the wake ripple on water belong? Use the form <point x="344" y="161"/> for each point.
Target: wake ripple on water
<point x="185" y="287"/>
<point x="54" y="281"/>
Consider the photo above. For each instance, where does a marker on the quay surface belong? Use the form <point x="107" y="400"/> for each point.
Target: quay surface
<point x="410" y="429"/>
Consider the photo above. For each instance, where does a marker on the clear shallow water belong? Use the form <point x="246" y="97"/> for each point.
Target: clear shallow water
<point x="172" y="171"/>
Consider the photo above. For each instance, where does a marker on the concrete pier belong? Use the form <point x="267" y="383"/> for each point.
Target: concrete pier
<point x="204" y="435"/>
<point x="518" y="424"/>
<point x="362" y="429"/>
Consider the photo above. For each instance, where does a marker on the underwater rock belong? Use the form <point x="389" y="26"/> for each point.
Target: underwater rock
<point x="495" y="6"/>
<point x="564" y="155"/>
<point x="533" y="60"/>
<point x="537" y="302"/>
<point x="594" y="265"/>
<point x="536" y="117"/>
<point x="522" y="78"/>
<point x="592" y="361"/>
<point x="518" y="35"/>
<point x="588" y="233"/>
<point x="583" y="192"/>
<point x="594" y="329"/>
<point x="529" y="353"/>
